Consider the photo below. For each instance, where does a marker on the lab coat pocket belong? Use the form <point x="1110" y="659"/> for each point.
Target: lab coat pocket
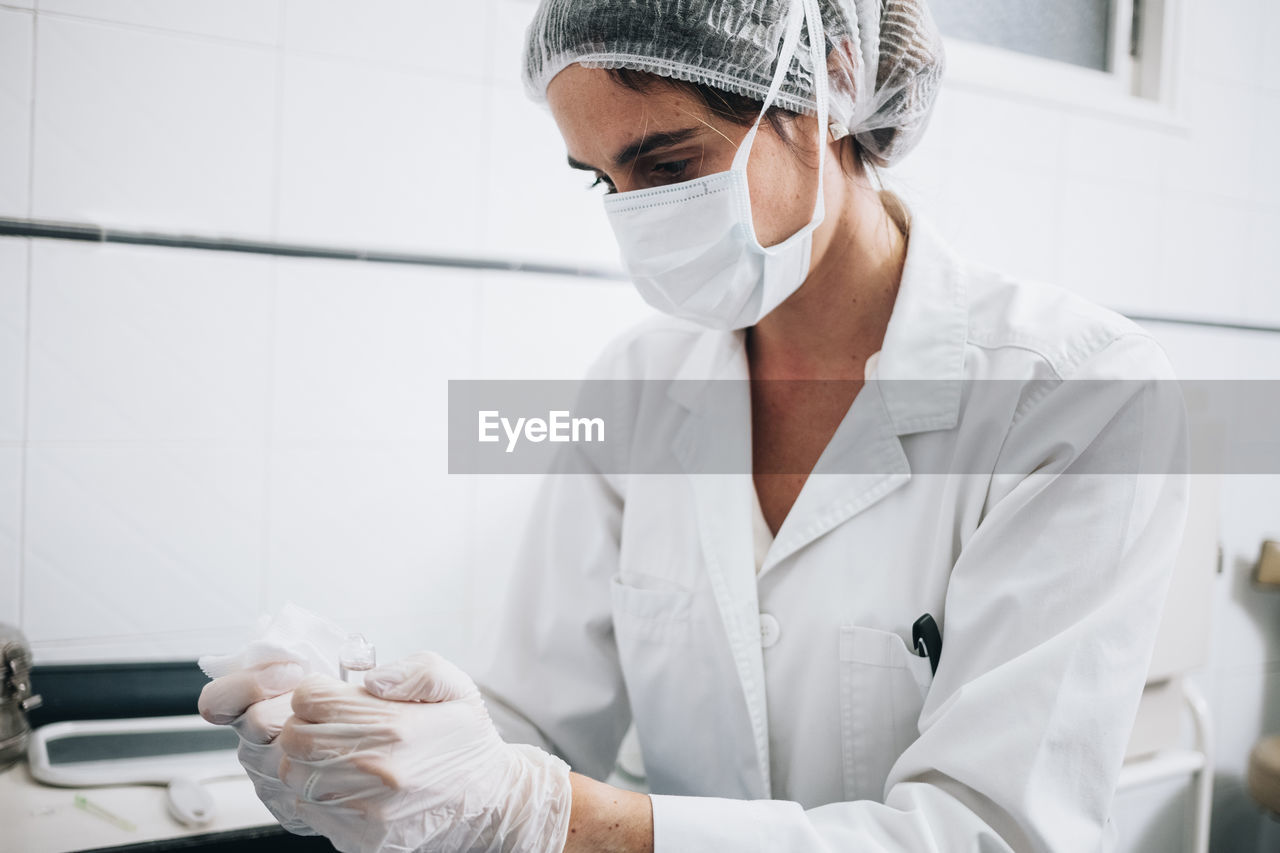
<point x="654" y="613"/>
<point x="883" y="685"/>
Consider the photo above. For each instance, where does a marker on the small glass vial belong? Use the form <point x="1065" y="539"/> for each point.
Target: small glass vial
<point x="357" y="656"/>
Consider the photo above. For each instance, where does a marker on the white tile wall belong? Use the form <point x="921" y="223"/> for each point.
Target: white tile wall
<point x="374" y="535"/>
<point x="505" y="41"/>
<point x="1006" y="220"/>
<point x="444" y="38"/>
<point x="588" y="316"/>
<point x="501" y="506"/>
<point x="380" y="156"/>
<point x="10" y="533"/>
<point x="538" y="207"/>
<point x="131" y="343"/>
<point x="923" y="180"/>
<point x="13" y="341"/>
<point x="1269" y="28"/>
<point x="1262" y="299"/>
<point x="13" y="338"/>
<point x="1204" y="257"/>
<point x="1107" y="151"/>
<point x="138" y="128"/>
<point x="1266" y="169"/>
<point x="1231" y="27"/>
<point x="16" y="50"/>
<point x="365" y="524"/>
<point x="1109" y="242"/>
<point x="239" y="20"/>
<point x="364" y="353"/>
<point x="1210" y="353"/>
<point x="1216" y="155"/>
<point x="132" y="540"/>
<point x="924" y="176"/>
<point x="983" y="130"/>
<point x="1008" y="217"/>
<point x="208" y="435"/>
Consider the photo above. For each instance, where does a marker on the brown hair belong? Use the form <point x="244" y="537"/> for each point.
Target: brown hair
<point x="736" y="109"/>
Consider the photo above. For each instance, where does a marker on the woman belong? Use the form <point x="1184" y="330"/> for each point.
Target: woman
<point x="758" y="630"/>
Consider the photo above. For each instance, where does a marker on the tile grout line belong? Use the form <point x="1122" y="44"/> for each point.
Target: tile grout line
<point x="277" y="142"/>
<point x="1156" y="286"/>
<point x="1060" y="178"/>
<point x="448" y="74"/>
<point x="130" y="26"/>
<point x="268" y="448"/>
<point x="31" y="122"/>
<point x="23" y="458"/>
<point x="471" y="553"/>
<point x="268" y="426"/>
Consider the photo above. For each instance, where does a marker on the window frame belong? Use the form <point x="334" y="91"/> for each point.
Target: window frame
<point x="1146" y="90"/>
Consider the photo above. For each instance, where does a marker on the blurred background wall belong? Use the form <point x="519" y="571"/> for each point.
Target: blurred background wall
<point x="188" y="438"/>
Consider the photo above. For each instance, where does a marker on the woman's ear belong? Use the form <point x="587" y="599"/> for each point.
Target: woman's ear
<point x="844" y="70"/>
<point x="849" y="156"/>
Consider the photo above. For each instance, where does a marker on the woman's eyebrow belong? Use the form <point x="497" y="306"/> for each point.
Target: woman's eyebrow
<point x="642" y="146"/>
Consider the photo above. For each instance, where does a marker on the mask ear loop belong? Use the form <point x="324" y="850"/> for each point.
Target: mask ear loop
<point x="822" y="97"/>
<point x="795" y="17"/>
<point x="800" y="12"/>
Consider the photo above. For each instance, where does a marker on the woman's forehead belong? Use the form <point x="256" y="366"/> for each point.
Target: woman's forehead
<point x="597" y="90"/>
<point x="599" y="117"/>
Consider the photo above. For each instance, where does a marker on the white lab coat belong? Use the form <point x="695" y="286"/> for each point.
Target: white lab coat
<point x="784" y="711"/>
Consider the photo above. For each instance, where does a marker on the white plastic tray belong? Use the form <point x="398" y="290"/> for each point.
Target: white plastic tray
<point x="150" y="770"/>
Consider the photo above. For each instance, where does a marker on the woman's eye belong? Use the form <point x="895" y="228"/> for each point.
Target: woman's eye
<point x="602" y="181"/>
<point x="674" y="169"/>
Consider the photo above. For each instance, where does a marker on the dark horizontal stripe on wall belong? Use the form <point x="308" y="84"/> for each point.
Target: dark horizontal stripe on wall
<point x="51" y="230"/>
<point x="98" y="691"/>
<point x="1194" y="321"/>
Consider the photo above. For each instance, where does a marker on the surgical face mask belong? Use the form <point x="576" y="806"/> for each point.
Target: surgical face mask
<point x="691" y="248"/>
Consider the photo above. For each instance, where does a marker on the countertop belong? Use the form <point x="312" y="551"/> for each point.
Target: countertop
<point x="36" y="818"/>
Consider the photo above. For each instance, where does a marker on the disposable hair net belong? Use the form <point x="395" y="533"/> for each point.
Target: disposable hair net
<point x="885" y="57"/>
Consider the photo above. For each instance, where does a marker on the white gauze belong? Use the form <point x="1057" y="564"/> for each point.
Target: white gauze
<point x="294" y="635"/>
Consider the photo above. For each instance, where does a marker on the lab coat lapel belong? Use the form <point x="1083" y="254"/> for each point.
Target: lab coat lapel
<point x="925" y="338"/>
<point x="723" y="506"/>
<point x="869" y="462"/>
<point x="862" y="463"/>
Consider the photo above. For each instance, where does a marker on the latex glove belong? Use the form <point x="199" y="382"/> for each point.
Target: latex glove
<point x="411" y="762"/>
<point x="256" y="702"/>
<point x="251" y="692"/>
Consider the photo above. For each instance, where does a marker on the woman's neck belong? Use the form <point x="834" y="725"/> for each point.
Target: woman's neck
<point x="830" y="326"/>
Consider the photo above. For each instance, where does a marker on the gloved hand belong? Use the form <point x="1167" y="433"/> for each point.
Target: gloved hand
<point x="256" y="702"/>
<point x="412" y="762"/>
